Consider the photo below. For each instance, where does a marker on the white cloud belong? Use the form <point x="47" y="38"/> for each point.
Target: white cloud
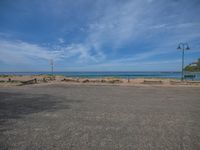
<point x="14" y="52"/>
<point x="82" y="53"/>
<point x="19" y="52"/>
<point x="61" y="40"/>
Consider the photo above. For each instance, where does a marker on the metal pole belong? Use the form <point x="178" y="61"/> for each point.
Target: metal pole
<point x="183" y="63"/>
<point x="183" y="47"/>
<point x="52" y="69"/>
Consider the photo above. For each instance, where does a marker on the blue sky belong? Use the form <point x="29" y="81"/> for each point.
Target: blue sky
<point x="98" y="35"/>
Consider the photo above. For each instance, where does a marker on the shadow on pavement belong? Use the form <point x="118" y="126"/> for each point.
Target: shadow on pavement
<point x="16" y="105"/>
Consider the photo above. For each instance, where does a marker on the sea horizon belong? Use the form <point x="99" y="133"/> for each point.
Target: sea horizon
<point x="103" y="74"/>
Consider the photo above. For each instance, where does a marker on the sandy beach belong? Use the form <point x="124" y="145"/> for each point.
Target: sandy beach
<point x="81" y="116"/>
<point x="39" y="80"/>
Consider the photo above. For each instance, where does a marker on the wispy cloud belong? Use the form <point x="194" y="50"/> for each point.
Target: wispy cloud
<point x="61" y="40"/>
<point x="18" y="52"/>
<point x="133" y="21"/>
<point x="82" y="52"/>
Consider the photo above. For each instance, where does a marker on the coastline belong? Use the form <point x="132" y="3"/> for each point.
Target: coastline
<point x="24" y="80"/>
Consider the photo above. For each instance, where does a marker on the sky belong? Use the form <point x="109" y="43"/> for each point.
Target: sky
<point x="98" y="35"/>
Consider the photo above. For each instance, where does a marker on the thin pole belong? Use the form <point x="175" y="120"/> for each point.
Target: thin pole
<point x="183" y="47"/>
<point x="183" y="63"/>
<point x="52" y="69"/>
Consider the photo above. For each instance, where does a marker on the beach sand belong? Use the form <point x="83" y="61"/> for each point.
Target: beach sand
<point x="57" y="116"/>
<point x="47" y="79"/>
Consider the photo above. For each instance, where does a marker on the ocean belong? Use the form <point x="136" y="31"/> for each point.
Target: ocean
<point x="171" y="75"/>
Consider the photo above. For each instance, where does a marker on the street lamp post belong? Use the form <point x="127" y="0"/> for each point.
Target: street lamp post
<point x="183" y="47"/>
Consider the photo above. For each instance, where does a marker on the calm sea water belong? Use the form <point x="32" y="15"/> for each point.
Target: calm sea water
<point x="173" y="75"/>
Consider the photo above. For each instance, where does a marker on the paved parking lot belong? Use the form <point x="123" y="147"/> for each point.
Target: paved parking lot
<point x="87" y="117"/>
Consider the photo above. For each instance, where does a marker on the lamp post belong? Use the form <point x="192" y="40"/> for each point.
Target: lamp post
<point x="183" y="47"/>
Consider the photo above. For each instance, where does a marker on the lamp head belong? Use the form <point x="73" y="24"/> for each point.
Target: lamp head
<point x="179" y="47"/>
<point x="187" y="48"/>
